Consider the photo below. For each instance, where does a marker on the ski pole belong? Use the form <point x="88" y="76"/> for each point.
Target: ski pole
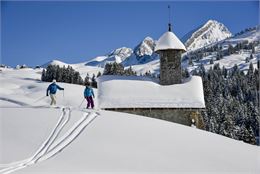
<point x="81" y="102"/>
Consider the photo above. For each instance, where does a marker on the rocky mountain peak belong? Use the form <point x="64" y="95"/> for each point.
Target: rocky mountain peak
<point x="212" y="31"/>
<point x="146" y="47"/>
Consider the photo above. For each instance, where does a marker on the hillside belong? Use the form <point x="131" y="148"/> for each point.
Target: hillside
<point x="241" y="49"/>
<point x="113" y="142"/>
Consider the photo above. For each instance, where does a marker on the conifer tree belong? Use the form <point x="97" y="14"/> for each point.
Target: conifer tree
<point x="99" y="74"/>
<point x="43" y="78"/>
<point x="87" y="79"/>
<point x="94" y="82"/>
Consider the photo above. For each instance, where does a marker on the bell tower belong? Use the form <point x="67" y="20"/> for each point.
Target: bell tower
<point x="170" y="48"/>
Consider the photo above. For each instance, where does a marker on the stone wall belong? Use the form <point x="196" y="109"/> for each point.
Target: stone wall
<point x="170" y="67"/>
<point x="181" y="116"/>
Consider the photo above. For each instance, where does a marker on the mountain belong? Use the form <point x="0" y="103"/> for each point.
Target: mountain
<point x="241" y="49"/>
<point x="142" y="53"/>
<point x="146" y="47"/>
<point x="55" y="62"/>
<point x="145" y="50"/>
<point x="118" y="55"/>
<point x="143" y="58"/>
<point x="209" y="33"/>
<point x="248" y="36"/>
<point x="189" y="34"/>
<point x="212" y="31"/>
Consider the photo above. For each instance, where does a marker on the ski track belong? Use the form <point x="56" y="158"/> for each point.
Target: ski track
<point x="52" y="146"/>
<point x="14" y="101"/>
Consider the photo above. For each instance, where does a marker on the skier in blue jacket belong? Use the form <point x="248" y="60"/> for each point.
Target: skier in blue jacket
<point x="89" y="95"/>
<point x="52" y="89"/>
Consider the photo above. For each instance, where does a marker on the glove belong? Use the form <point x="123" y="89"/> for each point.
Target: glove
<point x="62" y="89"/>
<point x="47" y="95"/>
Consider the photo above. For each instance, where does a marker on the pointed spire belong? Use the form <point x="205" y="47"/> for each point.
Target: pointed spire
<point x="169" y="27"/>
<point x="169" y="24"/>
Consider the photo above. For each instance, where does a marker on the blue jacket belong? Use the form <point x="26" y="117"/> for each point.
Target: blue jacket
<point x="88" y="92"/>
<point x="53" y="88"/>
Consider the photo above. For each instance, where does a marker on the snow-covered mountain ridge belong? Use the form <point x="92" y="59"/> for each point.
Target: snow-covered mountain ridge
<point x="143" y="58"/>
<point x="211" y="32"/>
<point x="142" y="53"/>
<point x="240" y="49"/>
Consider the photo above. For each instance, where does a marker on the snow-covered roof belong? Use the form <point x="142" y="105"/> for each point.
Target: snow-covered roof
<point x="142" y="92"/>
<point x="169" y="41"/>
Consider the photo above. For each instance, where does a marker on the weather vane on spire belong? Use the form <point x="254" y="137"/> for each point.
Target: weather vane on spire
<point x="169" y="24"/>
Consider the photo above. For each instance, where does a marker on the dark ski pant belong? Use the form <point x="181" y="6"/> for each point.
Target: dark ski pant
<point x="90" y="102"/>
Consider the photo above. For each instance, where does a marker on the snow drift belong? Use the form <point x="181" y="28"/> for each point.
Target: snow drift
<point x="143" y="92"/>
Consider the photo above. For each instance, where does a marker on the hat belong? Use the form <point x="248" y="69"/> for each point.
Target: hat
<point x="54" y="80"/>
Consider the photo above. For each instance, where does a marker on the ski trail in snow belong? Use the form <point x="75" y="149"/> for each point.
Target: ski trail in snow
<point x="70" y="136"/>
<point x="45" y="143"/>
<point x="54" y="135"/>
<point x="14" y="101"/>
<point x="52" y="146"/>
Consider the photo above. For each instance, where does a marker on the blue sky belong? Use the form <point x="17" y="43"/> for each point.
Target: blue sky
<point x="35" y="32"/>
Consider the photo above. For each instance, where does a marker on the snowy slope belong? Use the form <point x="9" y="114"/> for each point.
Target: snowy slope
<point x="56" y="62"/>
<point x="238" y="58"/>
<point x="23" y="87"/>
<point x="212" y="31"/>
<point x="82" y="68"/>
<point x="112" y="142"/>
<point x="118" y="55"/>
<point x="249" y="36"/>
<point x="123" y="143"/>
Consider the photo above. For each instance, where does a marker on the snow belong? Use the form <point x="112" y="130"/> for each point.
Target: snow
<point x="55" y="62"/>
<point x="235" y="59"/>
<point x="141" y="54"/>
<point x="144" y="59"/>
<point x="118" y="55"/>
<point x="122" y="53"/>
<point x="24" y="87"/>
<point x="97" y="141"/>
<point x="249" y="36"/>
<point x="143" y="92"/>
<point x="146" y="47"/>
<point x="82" y="68"/>
<point x="169" y="41"/>
<point x="124" y="143"/>
<point x="149" y="60"/>
<point x="152" y="66"/>
<point x="212" y="31"/>
<point x="228" y="62"/>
